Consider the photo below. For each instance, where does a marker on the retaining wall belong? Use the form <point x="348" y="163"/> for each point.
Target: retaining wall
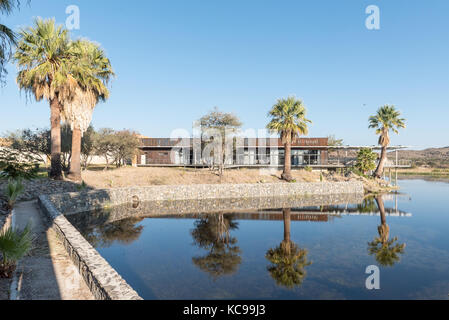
<point x="69" y="203"/>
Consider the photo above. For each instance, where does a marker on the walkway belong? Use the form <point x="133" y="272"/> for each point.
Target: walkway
<point x="47" y="273"/>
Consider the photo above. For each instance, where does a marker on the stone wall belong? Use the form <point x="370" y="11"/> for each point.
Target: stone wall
<point x="69" y="203"/>
<point x="104" y="282"/>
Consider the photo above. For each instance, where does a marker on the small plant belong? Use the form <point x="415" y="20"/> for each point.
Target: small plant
<point x="82" y="186"/>
<point x="308" y="169"/>
<point x="366" y="160"/>
<point x="13" y="190"/>
<point x="13" y="246"/>
<point x="321" y="177"/>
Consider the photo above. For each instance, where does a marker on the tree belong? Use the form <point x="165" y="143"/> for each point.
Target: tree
<point x="104" y="142"/>
<point x="42" y="57"/>
<point x="8" y="38"/>
<point x="87" y="147"/>
<point x="334" y="142"/>
<point x="219" y="126"/>
<point x="125" y="146"/>
<point x="288" y="261"/>
<point x="91" y="70"/>
<point x="288" y="119"/>
<point x="366" y="160"/>
<point x="36" y="142"/>
<point x="386" y="119"/>
<point x="386" y="251"/>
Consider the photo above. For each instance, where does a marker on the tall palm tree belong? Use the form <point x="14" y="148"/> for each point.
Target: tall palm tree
<point x="91" y="71"/>
<point x="42" y="58"/>
<point x="7" y="37"/>
<point x="288" y="261"/>
<point x="387" y="118"/>
<point x="288" y="119"/>
<point x="386" y="251"/>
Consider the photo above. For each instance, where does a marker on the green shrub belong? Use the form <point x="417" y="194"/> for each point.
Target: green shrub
<point x="13" y="246"/>
<point x="366" y="160"/>
<point x="15" y="164"/>
<point x="13" y="190"/>
<point x="308" y="169"/>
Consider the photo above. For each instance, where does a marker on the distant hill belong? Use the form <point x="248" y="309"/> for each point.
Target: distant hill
<point x="431" y="153"/>
<point x="432" y="157"/>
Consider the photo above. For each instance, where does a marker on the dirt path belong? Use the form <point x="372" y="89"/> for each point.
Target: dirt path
<point x="47" y="273"/>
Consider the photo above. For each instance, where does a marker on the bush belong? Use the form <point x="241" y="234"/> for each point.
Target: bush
<point x="366" y="160"/>
<point x="17" y="165"/>
<point x="13" y="191"/>
<point x="13" y="246"/>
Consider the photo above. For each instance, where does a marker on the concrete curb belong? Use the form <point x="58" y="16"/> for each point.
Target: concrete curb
<point x="103" y="281"/>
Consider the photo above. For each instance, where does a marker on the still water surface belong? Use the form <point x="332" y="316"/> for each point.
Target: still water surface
<point x="288" y="253"/>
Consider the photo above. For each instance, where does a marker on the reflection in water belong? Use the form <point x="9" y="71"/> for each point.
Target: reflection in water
<point x="288" y="261"/>
<point x="122" y="231"/>
<point x="212" y="233"/>
<point x="386" y="251"/>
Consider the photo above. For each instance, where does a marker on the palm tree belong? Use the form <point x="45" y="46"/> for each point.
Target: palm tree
<point x="288" y="261"/>
<point x="387" y="252"/>
<point x="91" y="72"/>
<point x="7" y="36"/>
<point x="288" y="119"/>
<point x="386" y="119"/>
<point x="42" y="58"/>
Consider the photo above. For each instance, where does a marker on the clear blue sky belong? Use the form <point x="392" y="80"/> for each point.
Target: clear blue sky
<point x="176" y="60"/>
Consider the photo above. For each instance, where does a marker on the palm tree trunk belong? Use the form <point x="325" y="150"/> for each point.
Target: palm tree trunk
<point x="287" y="174"/>
<point x="383" y="159"/>
<point x="55" y="120"/>
<point x="75" y="161"/>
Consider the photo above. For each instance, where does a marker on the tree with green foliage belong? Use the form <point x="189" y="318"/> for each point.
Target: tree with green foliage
<point x="387" y="118"/>
<point x="105" y="144"/>
<point x="288" y="119"/>
<point x="42" y="57"/>
<point x="8" y="38"/>
<point x="92" y="71"/>
<point x="125" y="144"/>
<point x="366" y="160"/>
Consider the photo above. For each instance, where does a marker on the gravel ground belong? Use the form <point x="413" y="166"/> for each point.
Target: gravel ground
<point x="37" y="187"/>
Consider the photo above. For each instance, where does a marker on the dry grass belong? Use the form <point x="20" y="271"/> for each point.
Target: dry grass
<point x="130" y="176"/>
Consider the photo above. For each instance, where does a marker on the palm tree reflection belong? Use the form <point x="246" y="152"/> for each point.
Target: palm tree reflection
<point x="212" y="233"/>
<point x="288" y="261"/>
<point x="387" y="252"/>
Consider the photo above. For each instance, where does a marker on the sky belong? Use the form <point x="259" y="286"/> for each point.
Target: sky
<point x="177" y="60"/>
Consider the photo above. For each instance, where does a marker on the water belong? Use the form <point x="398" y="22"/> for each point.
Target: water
<point x="234" y="256"/>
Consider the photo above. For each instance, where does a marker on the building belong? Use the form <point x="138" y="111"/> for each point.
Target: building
<point x="245" y="152"/>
